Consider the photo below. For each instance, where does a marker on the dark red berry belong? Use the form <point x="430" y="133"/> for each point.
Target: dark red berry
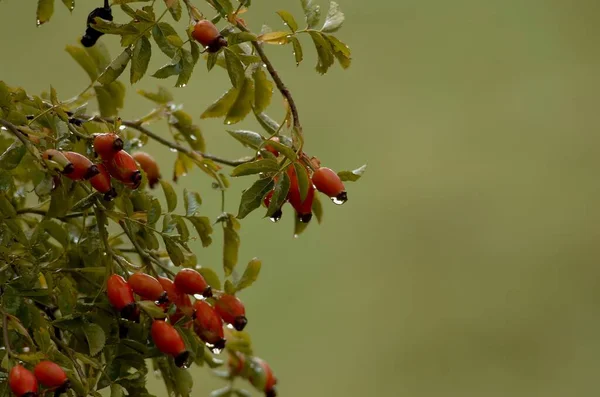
<point x="149" y="166"/>
<point x="262" y="377"/>
<point x="147" y="287"/>
<point x="57" y="157"/>
<point x="303" y="207"/>
<point x="107" y="145"/>
<point x="123" y="168"/>
<point x="167" y="340"/>
<point x="22" y="382"/>
<point x="189" y="281"/>
<point x="328" y="182"/>
<point x="83" y="168"/>
<point x="206" y="33"/>
<point x="175" y="296"/>
<point x="232" y="311"/>
<point x="101" y="183"/>
<point x="209" y="326"/>
<point x="120" y="295"/>
<point x="50" y="375"/>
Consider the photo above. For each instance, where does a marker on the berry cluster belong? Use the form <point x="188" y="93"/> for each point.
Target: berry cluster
<point x="115" y="163"/>
<point x="24" y="383"/>
<point x="255" y="370"/>
<point x="205" y="315"/>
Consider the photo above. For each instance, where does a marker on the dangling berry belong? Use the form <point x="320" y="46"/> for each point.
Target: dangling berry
<point x="261" y="377"/>
<point x="175" y="296"/>
<point x="147" y="287"/>
<point x="189" y="281"/>
<point x="149" y="166"/>
<point x="328" y="182"/>
<point x="107" y="145"/>
<point x="206" y="33"/>
<point x="303" y="208"/>
<point x="270" y="148"/>
<point x="120" y="295"/>
<point x="51" y="375"/>
<point x="209" y="326"/>
<point x="22" y="382"/>
<point x="167" y="340"/>
<point x="83" y="168"/>
<point x="101" y="183"/>
<point x="232" y="311"/>
<point x="123" y="168"/>
<point x="92" y="35"/>
<point x="65" y="166"/>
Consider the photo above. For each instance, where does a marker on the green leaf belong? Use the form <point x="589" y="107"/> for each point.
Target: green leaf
<point x="66" y="296"/>
<point x="231" y="244"/>
<point x="263" y="90"/>
<point x="317" y="209"/>
<point x="59" y="203"/>
<point x="255" y="167"/>
<point x="116" y="67"/>
<point x="100" y="55"/>
<point x="83" y="58"/>
<point x="275" y="37"/>
<point x="250" y="274"/>
<point x="55" y="230"/>
<point x="117" y="91"/>
<point x="298" y="54"/>
<point x="182" y="380"/>
<point x="243" y="103"/>
<point x="324" y="51"/>
<point x="187" y="67"/>
<point x="303" y="180"/>
<point x="288" y="20"/>
<point x="191" y="132"/>
<point x="192" y="202"/>
<point x="253" y="197"/>
<point x="235" y="68"/>
<point x="151" y="309"/>
<point x="140" y="59"/>
<point x="164" y="35"/>
<point x="283" y="149"/>
<point x="106" y="103"/>
<point x="170" y="195"/>
<point x="223" y="6"/>
<point x="154" y="212"/>
<point x="267" y="123"/>
<point x="247" y="138"/>
<point x="341" y="51"/>
<point x="222" y="105"/>
<point x="45" y="9"/>
<point x="280" y="192"/>
<point x="352" y="176"/>
<point x="162" y="97"/>
<point x="299" y="227"/>
<point x="116" y="390"/>
<point x="335" y="18"/>
<point x="203" y="227"/>
<point x="240" y="37"/>
<point x="312" y="13"/>
<point x="95" y="337"/>
<point x="11" y="158"/>
<point x="174" y="251"/>
<point x="168" y="70"/>
<point x="211" y="277"/>
<point x="182" y="228"/>
<point x="174" y="8"/>
<point x="70" y="4"/>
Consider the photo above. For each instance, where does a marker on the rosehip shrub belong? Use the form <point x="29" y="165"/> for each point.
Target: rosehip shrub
<point x="100" y="284"/>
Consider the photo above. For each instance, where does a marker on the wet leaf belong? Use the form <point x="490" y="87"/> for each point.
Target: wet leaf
<point x="191" y="132"/>
<point x="165" y="36"/>
<point x="170" y="195"/>
<point x="303" y="180"/>
<point x="154" y="212"/>
<point x="83" y="58"/>
<point x="253" y="196"/>
<point x="222" y="105"/>
<point x="211" y="277"/>
<point x="341" y="51"/>
<point x="247" y="138"/>
<point x="163" y="96"/>
<point x="250" y="274"/>
<point x="324" y="52"/>
<point x="275" y="37"/>
<point x="70" y="4"/>
<point x="267" y="123"/>
<point x="45" y="9"/>
<point x="192" y="202"/>
<point x="174" y="251"/>
<point x="298" y="54"/>
<point x="55" y="230"/>
<point x="168" y="70"/>
<point x="11" y="158"/>
<point x="95" y="337"/>
<point x="312" y="12"/>
<point x="288" y="20"/>
<point x="140" y="59"/>
<point x="203" y="227"/>
<point x="352" y="176"/>
<point x="335" y="18"/>
<point x="231" y="244"/>
<point x="263" y="90"/>
<point x="317" y="209"/>
<point x="284" y="149"/>
<point x="151" y="309"/>
<point x="66" y="296"/>
<point x="235" y="68"/>
<point x="243" y="103"/>
<point x="174" y="8"/>
<point x="280" y="192"/>
<point x="116" y="68"/>
<point x="255" y="167"/>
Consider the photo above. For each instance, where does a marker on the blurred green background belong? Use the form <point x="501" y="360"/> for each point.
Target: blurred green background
<point x="466" y="262"/>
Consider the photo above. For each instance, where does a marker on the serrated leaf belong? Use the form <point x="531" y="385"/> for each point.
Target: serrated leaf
<point x="12" y="156"/>
<point x="324" y="51"/>
<point x="303" y="180"/>
<point x="240" y="37"/>
<point x="288" y="20"/>
<point x="106" y="103"/>
<point x="283" y="149"/>
<point x="255" y="167"/>
<point x="280" y="192"/>
<point x="174" y="8"/>
<point x="83" y="58"/>
<point x="247" y="138"/>
<point x="116" y="68"/>
<point x="187" y="67"/>
<point x="267" y="123"/>
<point x="163" y="96"/>
<point x="275" y="38"/>
<point x="168" y="70"/>
<point x="66" y="296"/>
<point x="192" y="202"/>
<point x="253" y="196"/>
<point x="182" y="228"/>
<point x="70" y="4"/>
<point x="335" y="18"/>
<point x="203" y="228"/>
<point x="222" y="105"/>
<point x="243" y="103"/>
<point x="94" y="334"/>
<point x="352" y="176"/>
<point x="174" y="251"/>
<point x="140" y="59"/>
<point x="341" y="51"/>
<point x="231" y="244"/>
<point x="154" y="212"/>
<point x="298" y="54"/>
<point x="211" y="277"/>
<point x="263" y="90"/>
<point x="235" y="69"/>
<point x="45" y="9"/>
<point x="191" y="132"/>
<point x="151" y="309"/>
<point x="170" y="195"/>
<point x="250" y="274"/>
<point x="312" y="13"/>
<point x="317" y="209"/>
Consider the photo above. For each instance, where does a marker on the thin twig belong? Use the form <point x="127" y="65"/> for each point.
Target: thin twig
<point x="5" y="334"/>
<point x="41" y="212"/>
<point x="12" y="128"/>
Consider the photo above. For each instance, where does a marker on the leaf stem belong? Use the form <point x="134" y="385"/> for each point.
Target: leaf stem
<point x="5" y="334"/>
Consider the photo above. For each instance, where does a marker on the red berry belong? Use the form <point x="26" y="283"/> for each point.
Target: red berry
<point x="167" y="340"/>
<point x="123" y="168"/>
<point x="83" y="168"/>
<point x="101" y="183"/>
<point x="267" y="199"/>
<point x="206" y="33"/>
<point x="328" y="182"/>
<point x="209" y="326"/>
<point x="303" y="208"/>
<point x="50" y="374"/>
<point x="262" y="377"/>
<point x="147" y="287"/>
<point x="59" y="158"/>
<point x="106" y="145"/>
<point x="22" y="382"/>
<point x="149" y="166"/>
<point x="236" y="363"/>
<point x="270" y="148"/>
<point x="178" y="298"/>
<point x="120" y="295"/>
<point x="189" y="281"/>
<point x="232" y="311"/>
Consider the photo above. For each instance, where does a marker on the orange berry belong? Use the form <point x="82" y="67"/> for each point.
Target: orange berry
<point x="149" y="166"/>
<point x="206" y="33"/>
<point x="83" y="168"/>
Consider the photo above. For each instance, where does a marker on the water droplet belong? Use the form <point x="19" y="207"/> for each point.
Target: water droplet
<point x="296" y="235"/>
<point x="173" y="150"/>
<point x="264" y="65"/>
<point x="229" y="326"/>
<point x="3" y="129"/>
<point x="340" y="198"/>
<point x="193" y="138"/>
<point x="38" y="22"/>
<point x="122" y="127"/>
<point x="157" y="373"/>
<point x="199" y="297"/>
<point x="25" y="349"/>
<point x="228" y="122"/>
<point x="276" y="216"/>
<point x="185" y="365"/>
<point x="183" y="85"/>
<point x="216" y="350"/>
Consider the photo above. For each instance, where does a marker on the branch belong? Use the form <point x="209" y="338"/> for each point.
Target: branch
<point x="12" y="128"/>
<point x="43" y="213"/>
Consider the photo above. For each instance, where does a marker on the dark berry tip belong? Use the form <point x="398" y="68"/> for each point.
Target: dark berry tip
<point x="30" y="394"/>
<point x="271" y="393"/>
<point x="182" y="358"/>
<point x="69" y="168"/>
<point x="220" y="344"/>
<point x="136" y="177"/>
<point x="207" y="293"/>
<point x="91" y="172"/>
<point x="342" y="197"/>
<point x="130" y="312"/>
<point x="305" y="218"/>
<point x="240" y="323"/>
<point x="118" y="144"/>
<point x="110" y="195"/>
<point x="164" y="298"/>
